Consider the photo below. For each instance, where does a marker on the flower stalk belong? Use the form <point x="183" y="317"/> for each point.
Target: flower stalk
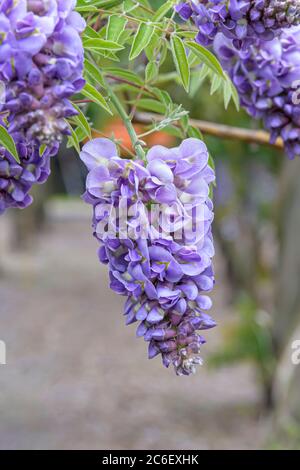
<point x="136" y="143"/>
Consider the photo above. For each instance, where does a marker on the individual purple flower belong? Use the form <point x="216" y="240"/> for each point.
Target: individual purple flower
<point x="41" y="64"/>
<point x="243" y="21"/>
<point x="267" y="78"/>
<point x="164" y="269"/>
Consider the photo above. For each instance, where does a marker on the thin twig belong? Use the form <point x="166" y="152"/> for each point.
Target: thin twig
<point x="136" y="102"/>
<point x="128" y="82"/>
<point x="82" y="101"/>
<point x="217" y="130"/>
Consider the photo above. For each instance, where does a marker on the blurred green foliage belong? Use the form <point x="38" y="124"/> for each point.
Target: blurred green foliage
<point x="248" y="339"/>
<point x="286" y="438"/>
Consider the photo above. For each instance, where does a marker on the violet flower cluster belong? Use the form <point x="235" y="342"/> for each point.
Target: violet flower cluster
<point x="144" y="216"/>
<point x="243" y="21"/>
<point x="267" y="79"/>
<point x="16" y="179"/>
<point x="41" y="64"/>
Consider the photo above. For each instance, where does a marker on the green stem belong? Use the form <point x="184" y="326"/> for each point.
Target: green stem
<point x="128" y="124"/>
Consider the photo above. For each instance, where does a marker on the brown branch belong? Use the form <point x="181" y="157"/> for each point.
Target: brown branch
<point x="218" y="130"/>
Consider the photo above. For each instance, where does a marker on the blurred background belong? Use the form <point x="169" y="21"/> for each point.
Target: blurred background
<point x="76" y="377"/>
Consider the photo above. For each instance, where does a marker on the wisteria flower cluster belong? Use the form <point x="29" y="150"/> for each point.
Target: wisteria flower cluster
<point x="156" y="257"/>
<point x="242" y="21"/>
<point x="266" y="77"/>
<point x="16" y="179"/>
<point x="41" y="63"/>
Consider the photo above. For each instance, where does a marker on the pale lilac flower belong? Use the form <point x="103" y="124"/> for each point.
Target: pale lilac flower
<point x="41" y="65"/>
<point x="164" y="278"/>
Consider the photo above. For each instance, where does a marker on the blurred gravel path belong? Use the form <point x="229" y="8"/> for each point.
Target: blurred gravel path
<point x="76" y="377"/>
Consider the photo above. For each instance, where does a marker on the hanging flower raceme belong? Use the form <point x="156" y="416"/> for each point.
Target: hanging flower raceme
<point x="16" y="179"/>
<point x="267" y="78"/>
<point x="153" y="221"/>
<point x="41" y="64"/>
<point x="243" y="21"/>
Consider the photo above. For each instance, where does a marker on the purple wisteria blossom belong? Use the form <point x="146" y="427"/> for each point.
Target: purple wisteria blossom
<point x="267" y="79"/>
<point x="16" y="179"/>
<point x="144" y="216"/>
<point x="41" y="64"/>
<point x="243" y="21"/>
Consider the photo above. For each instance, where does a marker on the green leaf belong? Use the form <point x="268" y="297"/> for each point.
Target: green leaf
<point x="184" y="121"/>
<point x="180" y="60"/>
<point x="141" y="40"/>
<point x="145" y="3"/>
<point x="174" y="131"/>
<point x="124" y="74"/>
<point x="163" y="96"/>
<point x="215" y="84"/>
<point x="194" y="60"/>
<point x="125" y="37"/>
<point x="206" y="57"/>
<point x="42" y="149"/>
<point x="230" y="92"/>
<point x="8" y="142"/>
<point x="162" y="11"/>
<point x="102" y="32"/>
<point x="234" y="95"/>
<point x="194" y="132"/>
<point x="93" y="72"/>
<point x="110" y="55"/>
<point x="90" y="9"/>
<point x="93" y="5"/>
<point x="89" y="32"/>
<point x="151" y="71"/>
<point x="82" y="121"/>
<point x="197" y="78"/>
<point x="211" y="163"/>
<point x="163" y="53"/>
<point x="124" y="87"/>
<point x="153" y="47"/>
<point x="130" y="5"/>
<point x="73" y="140"/>
<point x="81" y="135"/>
<point x="151" y="105"/>
<point x="103" y="44"/>
<point x="186" y="34"/>
<point x="115" y="27"/>
<point x="92" y="93"/>
<point x="227" y="93"/>
<point x="107" y="4"/>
